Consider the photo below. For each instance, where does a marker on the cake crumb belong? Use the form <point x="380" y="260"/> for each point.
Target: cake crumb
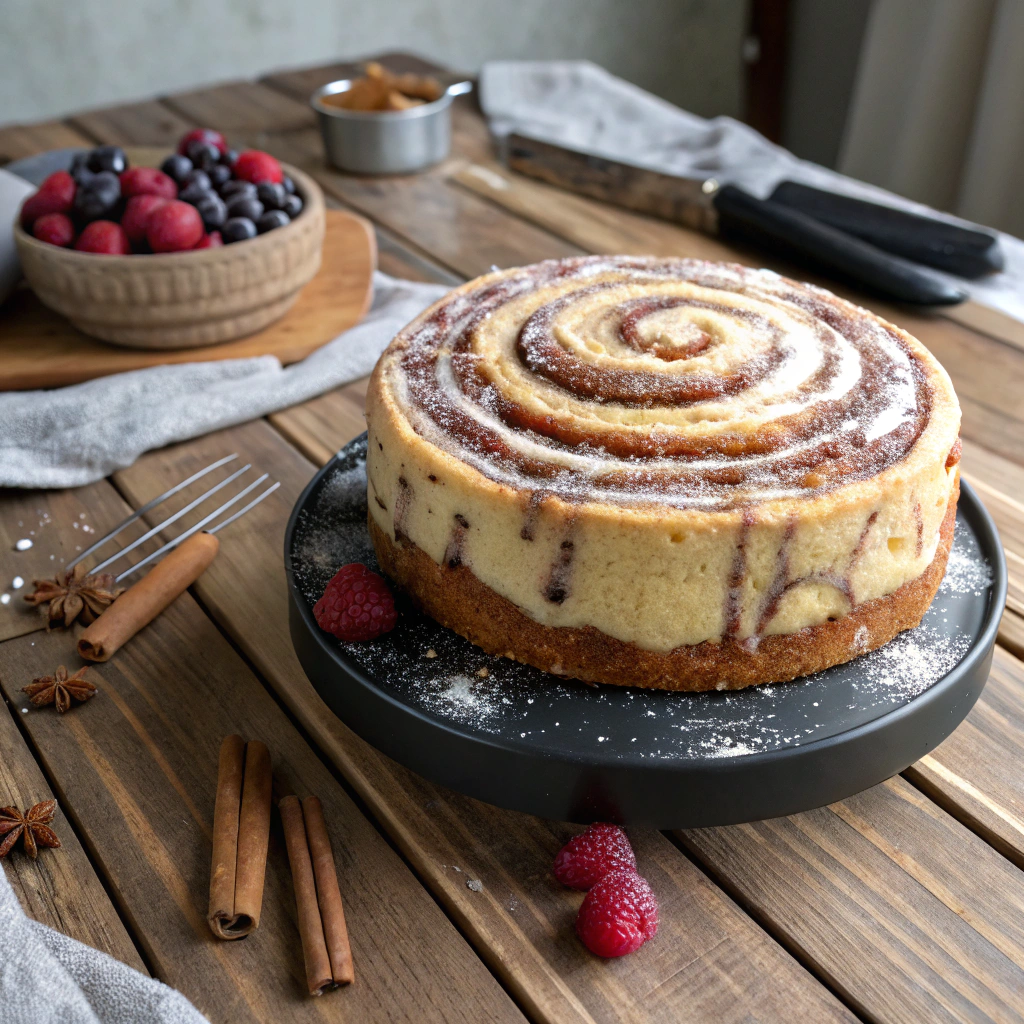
<point x="482" y="672"/>
<point x="431" y="653"/>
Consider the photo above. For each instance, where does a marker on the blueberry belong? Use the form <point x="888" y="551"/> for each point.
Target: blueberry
<point x="245" y="206"/>
<point x="292" y="206"/>
<point x="197" y="177"/>
<point x="98" y="197"/>
<point x="272" y="219"/>
<point x="203" y="154"/>
<point x="176" y="167"/>
<point x="213" y="211"/>
<point x="228" y="157"/>
<point x="219" y="175"/>
<point x="79" y="169"/>
<point x="107" y="158"/>
<point x="270" y="195"/>
<point x="194" y="193"/>
<point x="238" y="229"/>
<point x="237" y="188"/>
<point x="289" y="185"/>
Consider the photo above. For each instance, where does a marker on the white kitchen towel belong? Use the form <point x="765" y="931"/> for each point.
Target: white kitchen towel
<point x="47" y="978"/>
<point x="580" y="105"/>
<point x="74" y="435"/>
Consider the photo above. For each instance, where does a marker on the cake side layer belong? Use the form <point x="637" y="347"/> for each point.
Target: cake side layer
<point x="456" y="598"/>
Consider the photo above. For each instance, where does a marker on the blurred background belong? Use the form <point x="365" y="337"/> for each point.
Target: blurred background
<point x="919" y="96"/>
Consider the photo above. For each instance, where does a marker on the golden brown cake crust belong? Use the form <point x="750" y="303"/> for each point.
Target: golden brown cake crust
<point x="458" y="600"/>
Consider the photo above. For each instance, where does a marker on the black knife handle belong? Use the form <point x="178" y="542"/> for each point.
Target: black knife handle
<point x="763" y="222"/>
<point x="967" y="252"/>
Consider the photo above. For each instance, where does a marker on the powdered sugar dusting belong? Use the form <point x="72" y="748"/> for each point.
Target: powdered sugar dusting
<point x="435" y="671"/>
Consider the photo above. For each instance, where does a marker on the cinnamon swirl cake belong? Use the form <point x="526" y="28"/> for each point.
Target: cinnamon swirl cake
<point x="662" y="472"/>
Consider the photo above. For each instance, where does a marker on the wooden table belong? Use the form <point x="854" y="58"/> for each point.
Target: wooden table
<point x="902" y="904"/>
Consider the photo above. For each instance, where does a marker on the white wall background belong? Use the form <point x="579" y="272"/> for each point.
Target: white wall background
<point x="58" y="56"/>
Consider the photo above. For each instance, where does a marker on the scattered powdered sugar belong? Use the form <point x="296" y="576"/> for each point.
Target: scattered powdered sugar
<point x="437" y="672"/>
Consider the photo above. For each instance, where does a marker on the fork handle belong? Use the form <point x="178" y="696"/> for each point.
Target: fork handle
<point x="141" y="603"/>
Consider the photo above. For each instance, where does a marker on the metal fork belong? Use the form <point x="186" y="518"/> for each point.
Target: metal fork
<point x="147" y="598"/>
<point x="172" y="544"/>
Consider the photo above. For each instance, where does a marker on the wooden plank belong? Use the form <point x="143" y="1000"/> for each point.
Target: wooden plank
<point x="906" y="913"/>
<point x="236" y="107"/>
<point x="59" y="524"/>
<point x="136" y="770"/>
<point x="1011" y="632"/>
<point x="19" y="141"/>
<point x="708" y="954"/>
<point x="976" y="773"/>
<point x="150" y="123"/>
<point x="59" y="888"/>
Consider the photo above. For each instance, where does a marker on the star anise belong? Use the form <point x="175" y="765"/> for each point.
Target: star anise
<point x="74" y="595"/>
<point x="59" y="689"/>
<point x="32" y="826"/>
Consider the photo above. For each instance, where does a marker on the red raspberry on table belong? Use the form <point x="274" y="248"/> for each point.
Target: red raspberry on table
<point x="256" y="166"/>
<point x="588" y="857"/>
<point x="357" y="605"/>
<point x="147" y="181"/>
<point x="55" y="195"/>
<point x="55" y="228"/>
<point x="618" y="915"/>
<point x="104" y="237"/>
<point x="174" y="227"/>
<point x="211" y="241"/>
<point x="136" y="216"/>
<point x="202" y="135"/>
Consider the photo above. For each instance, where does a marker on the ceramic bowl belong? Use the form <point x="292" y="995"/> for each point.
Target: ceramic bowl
<point x="183" y="299"/>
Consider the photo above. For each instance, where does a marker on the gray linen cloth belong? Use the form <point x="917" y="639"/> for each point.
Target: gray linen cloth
<point x="580" y="105"/>
<point x="47" y="978"/>
<point x="74" y="435"/>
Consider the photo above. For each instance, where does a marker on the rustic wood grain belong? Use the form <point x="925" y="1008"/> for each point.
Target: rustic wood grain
<point x="142" y="124"/>
<point x="236" y="107"/>
<point x="907" y="913"/>
<point x="60" y="524"/>
<point x="975" y="774"/>
<point x="707" y="953"/>
<point x="1011" y="632"/>
<point x="59" y="888"/>
<point x="17" y="141"/>
<point x="135" y="769"/>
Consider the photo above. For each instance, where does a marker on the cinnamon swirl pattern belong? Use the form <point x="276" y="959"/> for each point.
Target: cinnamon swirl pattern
<point x="667" y="452"/>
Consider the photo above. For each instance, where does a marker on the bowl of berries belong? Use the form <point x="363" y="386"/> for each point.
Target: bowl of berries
<point x="208" y="246"/>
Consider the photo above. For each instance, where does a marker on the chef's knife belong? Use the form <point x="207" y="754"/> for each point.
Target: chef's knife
<point x="729" y="211"/>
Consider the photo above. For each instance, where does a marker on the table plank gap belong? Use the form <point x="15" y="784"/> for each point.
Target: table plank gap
<point x="61" y="888"/>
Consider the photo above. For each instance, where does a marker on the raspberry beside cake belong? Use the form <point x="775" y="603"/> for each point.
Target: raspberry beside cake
<point x="662" y="472"/>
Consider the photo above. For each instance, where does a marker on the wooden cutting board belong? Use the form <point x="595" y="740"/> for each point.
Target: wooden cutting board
<point x="40" y="349"/>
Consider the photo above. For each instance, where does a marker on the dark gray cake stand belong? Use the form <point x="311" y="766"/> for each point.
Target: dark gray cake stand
<point x="523" y="739"/>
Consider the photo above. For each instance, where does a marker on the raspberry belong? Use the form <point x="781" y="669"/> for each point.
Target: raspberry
<point x="202" y="135"/>
<point x="55" y="228"/>
<point x="147" y="181"/>
<point x="256" y="166"/>
<point x="618" y="915"/>
<point x="136" y="216"/>
<point x="588" y="857"/>
<point x="173" y="227"/>
<point x="55" y="195"/>
<point x="356" y="605"/>
<point x="210" y="241"/>
<point x="104" y="237"/>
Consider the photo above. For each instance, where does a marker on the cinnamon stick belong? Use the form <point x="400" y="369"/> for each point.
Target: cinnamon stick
<point x="319" y="976"/>
<point x="143" y="602"/>
<point x="241" y="834"/>
<point x="328" y="894"/>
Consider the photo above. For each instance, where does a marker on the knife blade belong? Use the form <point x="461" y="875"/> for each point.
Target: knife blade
<point x="707" y="206"/>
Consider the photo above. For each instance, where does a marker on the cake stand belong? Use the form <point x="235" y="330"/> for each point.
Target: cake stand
<point x="523" y="739"/>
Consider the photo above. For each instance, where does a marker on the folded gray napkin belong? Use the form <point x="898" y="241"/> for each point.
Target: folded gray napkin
<point x="47" y="978"/>
<point x="74" y="435"/>
<point x="580" y="105"/>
